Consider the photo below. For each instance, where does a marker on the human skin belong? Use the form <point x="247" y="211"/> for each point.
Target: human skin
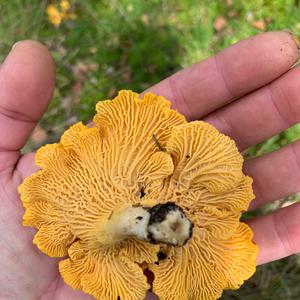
<point x="250" y="91"/>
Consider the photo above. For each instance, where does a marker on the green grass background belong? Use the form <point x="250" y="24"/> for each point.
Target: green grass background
<point x="113" y="45"/>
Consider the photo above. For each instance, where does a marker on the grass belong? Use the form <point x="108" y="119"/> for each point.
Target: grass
<point x="134" y="44"/>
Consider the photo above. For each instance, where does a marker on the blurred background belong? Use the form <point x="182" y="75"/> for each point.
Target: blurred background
<point x="102" y="46"/>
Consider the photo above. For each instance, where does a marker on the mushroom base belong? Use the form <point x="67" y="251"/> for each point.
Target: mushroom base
<point x="163" y="223"/>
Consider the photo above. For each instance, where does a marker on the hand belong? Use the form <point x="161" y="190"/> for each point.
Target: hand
<point x="249" y="91"/>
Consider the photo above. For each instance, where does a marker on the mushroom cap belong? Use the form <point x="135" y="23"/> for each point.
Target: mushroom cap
<point x="142" y="152"/>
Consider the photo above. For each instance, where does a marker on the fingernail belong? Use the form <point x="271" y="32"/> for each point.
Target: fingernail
<point x="5" y="59"/>
<point x="295" y="39"/>
<point x="14" y="45"/>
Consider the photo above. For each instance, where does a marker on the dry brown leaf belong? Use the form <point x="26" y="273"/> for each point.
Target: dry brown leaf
<point x="145" y="19"/>
<point x="232" y="13"/>
<point x="220" y="23"/>
<point x="93" y="50"/>
<point x="260" y="25"/>
<point x="38" y="135"/>
<point x="112" y="93"/>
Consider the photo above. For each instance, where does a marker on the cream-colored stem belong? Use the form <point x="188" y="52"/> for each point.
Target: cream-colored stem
<point x="163" y="223"/>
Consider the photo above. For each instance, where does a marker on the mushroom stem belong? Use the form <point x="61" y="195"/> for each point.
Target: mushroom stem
<point x="163" y="223"/>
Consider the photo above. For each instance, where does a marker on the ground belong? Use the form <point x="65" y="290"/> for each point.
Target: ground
<point x="102" y="46"/>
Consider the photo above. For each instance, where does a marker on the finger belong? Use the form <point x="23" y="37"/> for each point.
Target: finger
<point x="275" y="175"/>
<point x="263" y="113"/>
<point x="58" y="290"/>
<point x="277" y="235"/>
<point x="26" y="86"/>
<point x="25" y="167"/>
<point x="234" y="72"/>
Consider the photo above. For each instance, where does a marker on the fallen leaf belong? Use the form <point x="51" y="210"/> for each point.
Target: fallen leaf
<point x="93" y="50"/>
<point x="173" y="19"/>
<point x="232" y="13"/>
<point x="81" y="67"/>
<point x="249" y="16"/>
<point x="77" y="88"/>
<point x="151" y="68"/>
<point x="126" y="76"/>
<point x="112" y="93"/>
<point x="220" y="23"/>
<point x="93" y="67"/>
<point x="269" y="20"/>
<point x="62" y="51"/>
<point x="145" y="19"/>
<point x="38" y="135"/>
<point x="260" y="25"/>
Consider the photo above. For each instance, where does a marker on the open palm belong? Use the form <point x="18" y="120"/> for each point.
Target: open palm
<point x="249" y="91"/>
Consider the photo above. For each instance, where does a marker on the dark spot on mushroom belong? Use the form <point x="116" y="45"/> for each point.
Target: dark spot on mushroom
<point x="159" y="212"/>
<point x="281" y="49"/>
<point x="161" y="255"/>
<point x="109" y="217"/>
<point x="142" y="192"/>
<point x="187" y="156"/>
<point x="76" y="239"/>
<point x="151" y="238"/>
<point x="150" y="276"/>
<point x="157" y="143"/>
<point x="118" y="298"/>
<point x="191" y="230"/>
<point x="140" y="218"/>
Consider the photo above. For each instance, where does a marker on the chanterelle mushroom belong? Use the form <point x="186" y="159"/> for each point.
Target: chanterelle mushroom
<point x="143" y="189"/>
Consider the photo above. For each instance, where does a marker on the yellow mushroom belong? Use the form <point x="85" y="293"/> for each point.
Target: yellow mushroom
<point x="143" y="191"/>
